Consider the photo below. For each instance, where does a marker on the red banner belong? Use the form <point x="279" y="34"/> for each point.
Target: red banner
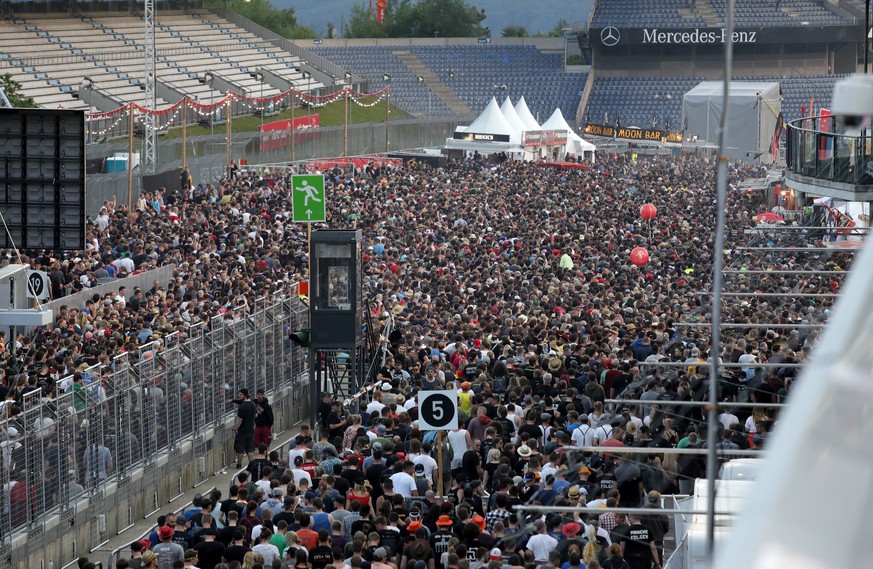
<point x="276" y="134"/>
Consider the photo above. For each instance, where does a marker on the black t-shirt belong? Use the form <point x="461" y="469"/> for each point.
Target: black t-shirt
<point x="209" y="554"/>
<point x="284" y="515"/>
<point x="236" y="553"/>
<point x="439" y="541"/>
<point x="246" y="412"/>
<point x="469" y="462"/>
<point x="620" y="382"/>
<point x="332" y="419"/>
<point x="256" y="467"/>
<point x="390" y="540"/>
<point x="324" y="410"/>
<point x="225" y="534"/>
<point x="352" y="475"/>
<point x="637" y="543"/>
<point x="374" y="477"/>
<point x="629" y="490"/>
<point x="533" y="430"/>
<point x="320" y="556"/>
<point x="183" y="539"/>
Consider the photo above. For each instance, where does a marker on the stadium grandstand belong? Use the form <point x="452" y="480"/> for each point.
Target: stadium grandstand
<point x="461" y="76"/>
<point x="647" y="55"/>
<point x="50" y="54"/>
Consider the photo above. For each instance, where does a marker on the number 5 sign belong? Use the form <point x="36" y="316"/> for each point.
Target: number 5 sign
<point x="437" y="410"/>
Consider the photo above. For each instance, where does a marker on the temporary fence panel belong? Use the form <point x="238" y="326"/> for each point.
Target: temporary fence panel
<point x="90" y="458"/>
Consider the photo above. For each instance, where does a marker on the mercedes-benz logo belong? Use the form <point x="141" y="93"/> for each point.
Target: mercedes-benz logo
<point x="610" y="36"/>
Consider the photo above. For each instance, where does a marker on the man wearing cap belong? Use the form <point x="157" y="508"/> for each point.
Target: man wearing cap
<point x="440" y="539"/>
<point x="335" y="421"/>
<point x="583" y="435"/>
<point x="166" y="551"/>
<point x="465" y="398"/>
<point x="209" y="551"/>
<point x="136" y="551"/>
<point x="572" y="536"/>
<point x="380" y="557"/>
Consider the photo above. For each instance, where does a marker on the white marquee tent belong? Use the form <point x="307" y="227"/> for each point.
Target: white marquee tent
<point x="501" y="129"/>
<point x="527" y="118"/>
<point x="512" y="118"/>
<point x="575" y="143"/>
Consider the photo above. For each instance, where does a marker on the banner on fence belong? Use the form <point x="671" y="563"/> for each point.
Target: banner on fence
<point x="277" y="134"/>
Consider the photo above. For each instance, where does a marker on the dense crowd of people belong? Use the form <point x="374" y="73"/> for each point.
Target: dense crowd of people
<point x="509" y="283"/>
<point x="513" y="285"/>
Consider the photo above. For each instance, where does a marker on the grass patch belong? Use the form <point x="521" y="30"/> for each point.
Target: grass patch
<point x="331" y="115"/>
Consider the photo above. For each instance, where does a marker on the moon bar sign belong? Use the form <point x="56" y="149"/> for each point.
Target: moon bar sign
<point x="656" y="135"/>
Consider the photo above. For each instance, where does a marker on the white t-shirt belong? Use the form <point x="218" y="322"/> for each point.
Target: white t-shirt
<point x="295" y="452"/>
<point x="404" y="484"/>
<point x="728" y="419"/>
<point x="430" y="465"/>
<point x="583" y="436"/>
<point x="602" y="433"/>
<point x="374" y="406"/>
<point x="542" y="544"/>
<point x="269" y="551"/>
<point x="300" y="474"/>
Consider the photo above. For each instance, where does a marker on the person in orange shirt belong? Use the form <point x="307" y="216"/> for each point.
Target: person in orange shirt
<point x="308" y="538"/>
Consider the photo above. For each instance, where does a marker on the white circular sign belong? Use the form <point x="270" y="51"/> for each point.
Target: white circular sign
<point x="438" y="410"/>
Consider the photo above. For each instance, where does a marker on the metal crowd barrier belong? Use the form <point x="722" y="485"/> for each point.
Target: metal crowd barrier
<point x="84" y="455"/>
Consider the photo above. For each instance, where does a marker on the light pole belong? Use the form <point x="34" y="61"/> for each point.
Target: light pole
<point x="663" y="97"/>
<point x="350" y="87"/>
<point x="308" y="76"/>
<point x="421" y="80"/>
<point x="387" y="79"/>
<point x="348" y="78"/>
<point x="259" y="76"/>
<point x="88" y="84"/>
<point x="499" y="89"/>
<point x="209" y="79"/>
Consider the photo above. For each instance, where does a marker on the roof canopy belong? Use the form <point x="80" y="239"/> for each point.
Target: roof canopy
<point x="492" y="121"/>
<point x="575" y="143"/>
<point x="512" y="117"/>
<point x="527" y="118"/>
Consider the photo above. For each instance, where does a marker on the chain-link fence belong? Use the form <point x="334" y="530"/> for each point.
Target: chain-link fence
<point x="84" y="458"/>
<point x="206" y="156"/>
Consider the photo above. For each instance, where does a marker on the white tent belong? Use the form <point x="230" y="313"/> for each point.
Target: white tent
<point x="575" y="143"/>
<point x="489" y="133"/>
<point x="512" y="117"/>
<point x="527" y="118"/>
<point x="492" y="121"/>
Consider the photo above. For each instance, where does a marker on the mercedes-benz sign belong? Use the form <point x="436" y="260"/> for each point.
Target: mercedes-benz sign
<point x="609" y="36"/>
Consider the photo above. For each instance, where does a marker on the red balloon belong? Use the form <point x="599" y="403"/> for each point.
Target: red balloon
<point x="639" y="256"/>
<point x="648" y="211"/>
